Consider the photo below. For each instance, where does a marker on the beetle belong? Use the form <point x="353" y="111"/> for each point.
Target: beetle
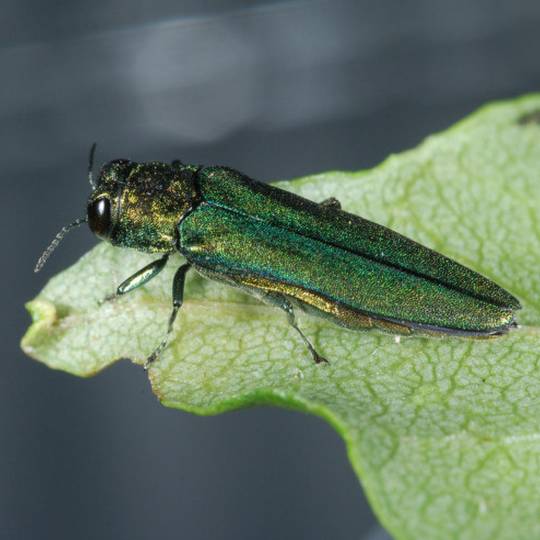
<point x="286" y="250"/>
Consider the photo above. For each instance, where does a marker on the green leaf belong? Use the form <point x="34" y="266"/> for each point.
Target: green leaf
<point x="444" y="433"/>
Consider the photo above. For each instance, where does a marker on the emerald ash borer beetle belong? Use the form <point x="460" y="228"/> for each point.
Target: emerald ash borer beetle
<point x="286" y="250"/>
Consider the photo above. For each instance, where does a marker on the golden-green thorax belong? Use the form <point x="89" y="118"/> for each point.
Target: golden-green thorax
<point x="144" y="203"/>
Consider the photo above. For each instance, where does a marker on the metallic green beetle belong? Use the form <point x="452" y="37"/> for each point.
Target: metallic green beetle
<point x="286" y="250"/>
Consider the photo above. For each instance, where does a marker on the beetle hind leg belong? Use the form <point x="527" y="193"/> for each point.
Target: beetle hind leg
<point x="286" y="306"/>
<point x="332" y="203"/>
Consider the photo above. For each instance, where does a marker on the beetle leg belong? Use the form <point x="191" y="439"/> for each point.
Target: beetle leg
<point x="142" y="276"/>
<point x="332" y="203"/>
<point x="286" y="306"/>
<point x="178" y="298"/>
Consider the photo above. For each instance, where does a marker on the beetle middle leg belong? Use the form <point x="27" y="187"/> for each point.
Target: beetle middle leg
<point x="178" y="298"/>
<point x="286" y="306"/>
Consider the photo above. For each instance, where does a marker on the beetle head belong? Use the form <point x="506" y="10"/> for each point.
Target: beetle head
<point x="136" y="205"/>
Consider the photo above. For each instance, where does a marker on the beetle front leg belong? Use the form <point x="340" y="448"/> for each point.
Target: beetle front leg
<point x="286" y="306"/>
<point x="142" y="276"/>
<point x="178" y="298"/>
<point x="139" y="278"/>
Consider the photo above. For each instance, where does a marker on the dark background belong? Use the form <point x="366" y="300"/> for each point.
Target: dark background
<point x="276" y="89"/>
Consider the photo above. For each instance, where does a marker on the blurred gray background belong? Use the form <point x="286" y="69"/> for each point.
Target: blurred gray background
<point x="275" y="89"/>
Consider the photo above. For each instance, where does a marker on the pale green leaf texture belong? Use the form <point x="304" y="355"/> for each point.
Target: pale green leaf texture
<point x="444" y="433"/>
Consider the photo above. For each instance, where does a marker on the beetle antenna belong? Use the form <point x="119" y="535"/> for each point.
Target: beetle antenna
<point x="91" y="165"/>
<point x="56" y="240"/>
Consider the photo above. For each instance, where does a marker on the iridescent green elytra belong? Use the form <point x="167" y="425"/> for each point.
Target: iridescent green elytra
<point x="287" y="250"/>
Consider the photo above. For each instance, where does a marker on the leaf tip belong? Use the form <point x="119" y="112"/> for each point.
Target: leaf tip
<point x="44" y="315"/>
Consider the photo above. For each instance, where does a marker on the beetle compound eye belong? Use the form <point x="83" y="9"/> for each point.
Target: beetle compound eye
<point x="99" y="217"/>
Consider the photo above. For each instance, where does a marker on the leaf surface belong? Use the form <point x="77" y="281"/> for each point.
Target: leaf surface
<point x="444" y="433"/>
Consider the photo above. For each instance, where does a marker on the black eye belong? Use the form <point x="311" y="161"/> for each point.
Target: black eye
<point x="99" y="217"/>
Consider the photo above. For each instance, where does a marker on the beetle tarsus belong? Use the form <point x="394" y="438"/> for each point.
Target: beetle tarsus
<point x="109" y="298"/>
<point x="317" y="358"/>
